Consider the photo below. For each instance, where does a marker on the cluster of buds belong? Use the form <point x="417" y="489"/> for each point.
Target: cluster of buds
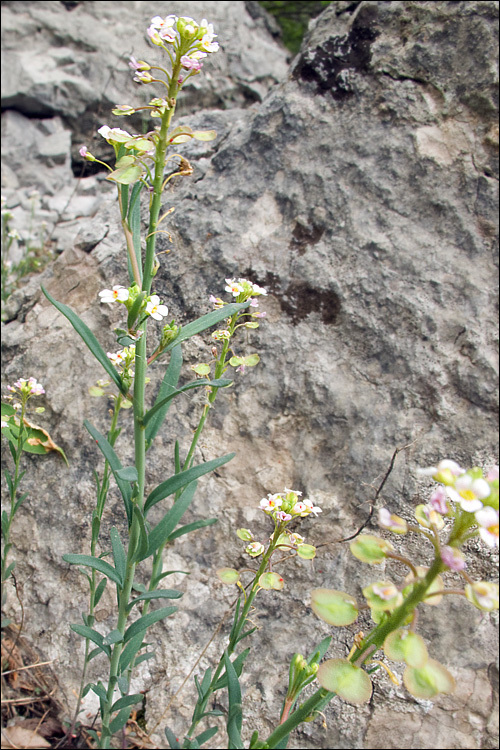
<point x="26" y="388"/>
<point x="14" y="408"/>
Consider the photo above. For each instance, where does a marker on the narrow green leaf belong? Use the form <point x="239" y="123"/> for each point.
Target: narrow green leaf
<point x="143" y="657"/>
<point x="172" y="740"/>
<point x="177" y="458"/>
<point x="5" y="522"/>
<point x="235" y="714"/>
<point x="10" y="484"/>
<point x="90" y="340"/>
<point x="114" y="636"/>
<point x="94" y="653"/>
<point x="164" y="528"/>
<point x="130" y="650"/>
<point x="191" y="527"/>
<point x="99" y="591"/>
<point x="141" y="551"/>
<point x="127" y="700"/>
<point x="94" y="562"/>
<point x="93" y="636"/>
<point x="206" y="321"/>
<point x="100" y="691"/>
<point x="219" y="383"/>
<point x="20" y="501"/>
<point x="238" y="668"/>
<point x="182" y="479"/>
<point x="128" y="474"/>
<point x="143" y="623"/>
<point x="169" y="384"/>
<point x="245" y="634"/>
<point x="124" y="191"/>
<point x="115" y="466"/>
<point x="157" y="594"/>
<point x="11" y="567"/>
<point x="206" y="735"/>
<point x="123" y="684"/>
<point x="120" y="720"/>
<point x="119" y="555"/>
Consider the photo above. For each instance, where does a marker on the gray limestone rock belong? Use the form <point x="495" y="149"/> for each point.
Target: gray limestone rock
<point x="361" y="192"/>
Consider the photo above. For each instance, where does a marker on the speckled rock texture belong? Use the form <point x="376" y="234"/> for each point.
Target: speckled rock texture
<point x="359" y="186"/>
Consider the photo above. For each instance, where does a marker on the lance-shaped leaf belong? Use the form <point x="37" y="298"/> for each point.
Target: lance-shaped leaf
<point x="235" y="714"/>
<point x="141" y="551"/>
<point x="182" y="479"/>
<point x="143" y="623"/>
<point x="164" y="528"/>
<point x="157" y="594"/>
<point x="119" y="555"/>
<point x="90" y="340"/>
<point x="207" y="321"/>
<point x="169" y="384"/>
<point x="95" y="562"/>
<point x="115" y="466"/>
<point x="134" y="220"/>
<point x="93" y="636"/>
<point x="191" y="527"/>
<point x="219" y="383"/>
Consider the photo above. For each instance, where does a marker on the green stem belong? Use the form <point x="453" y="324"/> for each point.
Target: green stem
<point x="154" y="212"/>
<point x="13" y="496"/>
<point x="236" y="631"/>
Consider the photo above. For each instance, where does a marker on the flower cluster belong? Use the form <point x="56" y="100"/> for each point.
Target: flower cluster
<point x="25" y="388"/>
<point x="124" y="358"/>
<point x="192" y="40"/>
<point x="151" y="305"/>
<point x="468" y="494"/>
<point x="288" y="505"/>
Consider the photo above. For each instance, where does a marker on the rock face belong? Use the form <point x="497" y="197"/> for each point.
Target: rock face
<point x="361" y="191"/>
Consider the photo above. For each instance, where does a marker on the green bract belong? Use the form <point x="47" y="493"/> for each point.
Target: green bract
<point x="429" y="680"/>
<point x="227" y="575"/>
<point x="370" y="549"/>
<point x="349" y="682"/>
<point x="404" y="645"/>
<point x="334" y="607"/>
<point x="306" y="551"/>
<point x="271" y="581"/>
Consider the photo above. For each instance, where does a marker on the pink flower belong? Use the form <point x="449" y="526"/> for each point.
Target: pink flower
<point x="438" y="501"/>
<point x="492" y="474"/>
<point x="189" y="64"/>
<point x="453" y="558"/>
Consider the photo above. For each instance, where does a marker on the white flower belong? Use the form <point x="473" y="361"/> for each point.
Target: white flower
<point x="116" y="294"/>
<point x="469" y="492"/>
<point x="155" y="308"/>
<point x="487" y="519"/>
<point x="443" y="466"/>
<point x="270" y="503"/>
<point x="314" y="509"/>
